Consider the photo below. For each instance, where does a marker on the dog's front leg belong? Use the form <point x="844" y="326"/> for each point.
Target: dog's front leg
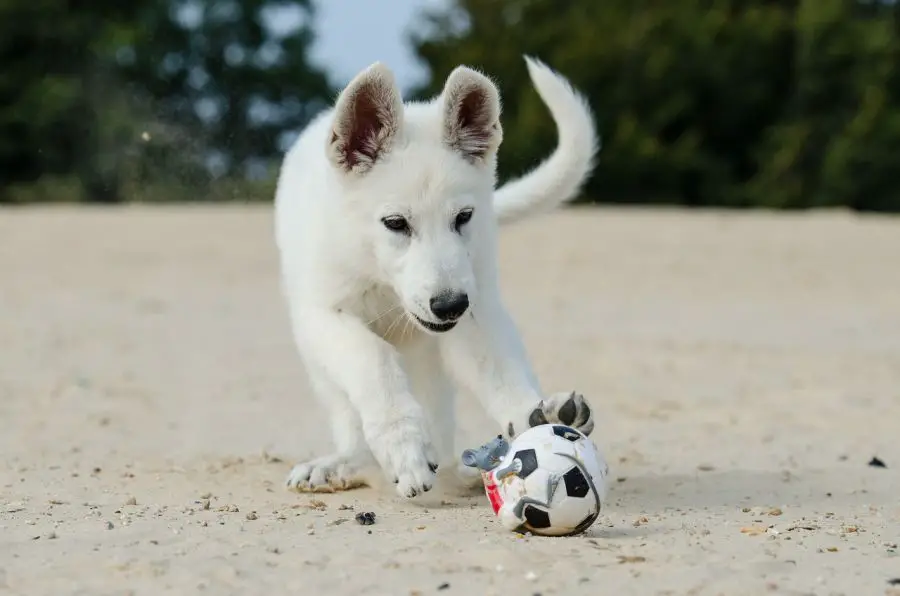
<point x="485" y="354"/>
<point x="368" y="370"/>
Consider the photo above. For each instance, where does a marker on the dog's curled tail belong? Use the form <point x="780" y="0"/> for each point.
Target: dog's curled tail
<point x="560" y="177"/>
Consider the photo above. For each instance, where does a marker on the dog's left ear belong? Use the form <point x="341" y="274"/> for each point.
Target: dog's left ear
<point x="471" y="114"/>
<point x="368" y="115"/>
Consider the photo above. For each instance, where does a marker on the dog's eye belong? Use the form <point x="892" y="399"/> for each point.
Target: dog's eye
<point x="462" y="218"/>
<point x="396" y="223"/>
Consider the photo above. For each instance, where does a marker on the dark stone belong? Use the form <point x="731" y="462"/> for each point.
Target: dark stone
<point x="365" y="518"/>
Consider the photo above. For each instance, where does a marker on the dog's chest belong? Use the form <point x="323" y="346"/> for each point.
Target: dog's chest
<point x="384" y="315"/>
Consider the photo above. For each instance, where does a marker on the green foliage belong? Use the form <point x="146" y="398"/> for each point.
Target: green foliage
<point x="150" y="100"/>
<point x="781" y="104"/>
<point x="699" y="102"/>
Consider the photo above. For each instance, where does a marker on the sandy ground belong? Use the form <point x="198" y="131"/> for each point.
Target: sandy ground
<point x="744" y="368"/>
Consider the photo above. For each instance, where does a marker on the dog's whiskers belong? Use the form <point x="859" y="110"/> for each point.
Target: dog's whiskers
<point x="408" y="324"/>
<point x="384" y="314"/>
<point x="394" y="323"/>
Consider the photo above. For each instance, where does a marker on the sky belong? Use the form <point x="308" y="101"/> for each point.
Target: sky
<point x="352" y="34"/>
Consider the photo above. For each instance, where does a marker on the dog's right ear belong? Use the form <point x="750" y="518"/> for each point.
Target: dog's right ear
<point x="471" y="114"/>
<point x="367" y="117"/>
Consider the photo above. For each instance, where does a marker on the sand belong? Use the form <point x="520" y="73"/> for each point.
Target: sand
<point x="744" y="368"/>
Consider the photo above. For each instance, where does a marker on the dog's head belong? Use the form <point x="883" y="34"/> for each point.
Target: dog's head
<point x="419" y="179"/>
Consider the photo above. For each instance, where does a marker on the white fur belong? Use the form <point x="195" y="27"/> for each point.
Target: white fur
<point x="355" y="288"/>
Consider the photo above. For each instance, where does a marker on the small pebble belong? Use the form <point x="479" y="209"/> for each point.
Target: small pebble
<point x="444" y="586"/>
<point x="131" y="501"/>
<point x="365" y="518"/>
<point x="252" y="516"/>
<point x="318" y="505"/>
<point x="109" y="525"/>
<point x="531" y="576"/>
<point x="877" y="463"/>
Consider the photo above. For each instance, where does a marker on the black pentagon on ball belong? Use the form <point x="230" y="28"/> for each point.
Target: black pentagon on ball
<point x="566" y="432"/>
<point x="536" y="518"/>
<point x="576" y="484"/>
<point x="528" y="457"/>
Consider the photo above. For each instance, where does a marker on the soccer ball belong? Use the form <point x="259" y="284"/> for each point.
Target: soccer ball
<point x="552" y="482"/>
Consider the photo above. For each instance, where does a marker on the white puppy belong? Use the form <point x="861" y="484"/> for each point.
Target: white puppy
<point x="386" y="224"/>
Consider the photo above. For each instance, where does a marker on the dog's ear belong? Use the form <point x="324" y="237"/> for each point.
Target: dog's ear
<point x="471" y="114"/>
<point x="367" y="117"/>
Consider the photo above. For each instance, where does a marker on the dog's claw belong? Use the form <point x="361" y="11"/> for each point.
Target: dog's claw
<point x="406" y="455"/>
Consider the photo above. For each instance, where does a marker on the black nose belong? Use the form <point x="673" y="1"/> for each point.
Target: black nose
<point x="449" y="306"/>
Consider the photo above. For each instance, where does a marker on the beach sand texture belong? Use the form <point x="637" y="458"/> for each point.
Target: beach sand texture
<point x="744" y="369"/>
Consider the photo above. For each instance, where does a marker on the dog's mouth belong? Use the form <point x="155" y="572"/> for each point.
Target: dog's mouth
<point x="436" y="327"/>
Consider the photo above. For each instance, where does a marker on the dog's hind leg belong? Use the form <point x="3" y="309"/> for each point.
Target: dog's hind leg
<point x="344" y="469"/>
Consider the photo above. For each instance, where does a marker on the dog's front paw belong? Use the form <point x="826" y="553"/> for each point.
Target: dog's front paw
<point x="327" y="474"/>
<point x="407" y="456"/>
<point x="569" y="408"/>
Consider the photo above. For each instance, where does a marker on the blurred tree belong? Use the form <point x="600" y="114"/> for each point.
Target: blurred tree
<point x="700" y="102"/>
<point x="151" y="99"/>
<point x="52" y="57"/>
<point x="229" y="78"/>
<point x="837" y="141"/>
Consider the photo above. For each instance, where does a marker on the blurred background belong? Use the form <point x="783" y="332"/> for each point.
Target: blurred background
<point x="782" y="104"/>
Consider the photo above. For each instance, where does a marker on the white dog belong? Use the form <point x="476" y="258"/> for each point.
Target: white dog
<point x="386" y="224"/>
